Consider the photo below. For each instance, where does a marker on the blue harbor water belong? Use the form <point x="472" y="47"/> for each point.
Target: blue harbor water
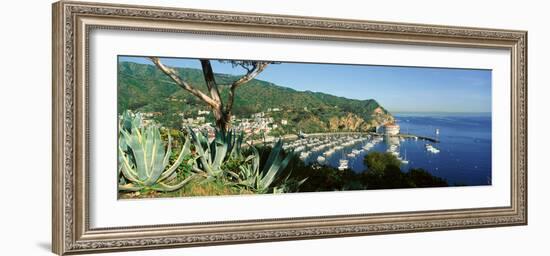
<point x="462" y="156"/>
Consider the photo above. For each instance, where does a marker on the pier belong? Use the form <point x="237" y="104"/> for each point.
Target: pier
<point x="410" y="136"/>
<point x="400" y="135"/>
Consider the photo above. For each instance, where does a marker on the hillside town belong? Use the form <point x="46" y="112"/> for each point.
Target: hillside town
<point x="260" y="123"/>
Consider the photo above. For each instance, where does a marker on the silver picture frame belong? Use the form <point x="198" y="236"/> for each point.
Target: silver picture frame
<point x="72" y="23"/>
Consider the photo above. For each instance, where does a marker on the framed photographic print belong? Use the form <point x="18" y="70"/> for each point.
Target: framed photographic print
<point x="179" y="127"/>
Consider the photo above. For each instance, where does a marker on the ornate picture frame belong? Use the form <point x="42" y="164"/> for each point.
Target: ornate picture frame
<point x="72" y="23"/>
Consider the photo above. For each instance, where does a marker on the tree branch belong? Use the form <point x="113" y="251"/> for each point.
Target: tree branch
<point x="179" y="81"/>
<point x="251" y="74"/>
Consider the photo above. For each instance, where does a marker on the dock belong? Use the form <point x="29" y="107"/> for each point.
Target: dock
<point x="410" y="136"/>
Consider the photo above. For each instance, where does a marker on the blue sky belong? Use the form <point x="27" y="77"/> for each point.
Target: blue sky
<point x="398" y="89"/>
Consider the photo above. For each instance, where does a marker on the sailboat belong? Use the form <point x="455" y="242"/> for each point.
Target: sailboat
<point x="404" y="160"/>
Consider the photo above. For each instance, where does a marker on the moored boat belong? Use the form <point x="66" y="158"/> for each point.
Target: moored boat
<point x="321" y="159"/>
<point x="431" y="149"/>
<point x="343" y="164"/>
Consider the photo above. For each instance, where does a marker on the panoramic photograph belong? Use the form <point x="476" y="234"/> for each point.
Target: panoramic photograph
<point x="212" y="127"/>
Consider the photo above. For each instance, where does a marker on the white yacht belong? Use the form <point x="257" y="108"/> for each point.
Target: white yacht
<point x="431" y="149"/>
<point x="321" y="159"/>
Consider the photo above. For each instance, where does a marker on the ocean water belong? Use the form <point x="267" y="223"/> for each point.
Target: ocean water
<point x="465" y="147"/>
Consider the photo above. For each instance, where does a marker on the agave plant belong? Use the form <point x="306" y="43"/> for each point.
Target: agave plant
<point x="261" y="181"/>
<point x="210" y="155"/>
<point x="143" y="160"/>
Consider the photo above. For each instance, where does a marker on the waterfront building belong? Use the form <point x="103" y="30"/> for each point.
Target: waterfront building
<point x="390" y="129"/>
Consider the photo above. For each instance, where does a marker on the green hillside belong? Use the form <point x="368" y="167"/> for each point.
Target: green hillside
<point x="144" y="88"/>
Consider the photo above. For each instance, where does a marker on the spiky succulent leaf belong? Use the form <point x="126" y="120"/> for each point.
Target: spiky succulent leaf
<point x="277" y="165"/>
<point x="203" y="153"/>
<point x="157" y="155"/>
<point x="135" y="143"/>
<point x="171" y="171"/>
<point x="220" y="152"/>
<point x="164" y="187"/>
<point x="126" y="167"/>
<point x="275" y="153"/>
<point x="130" y="187"/>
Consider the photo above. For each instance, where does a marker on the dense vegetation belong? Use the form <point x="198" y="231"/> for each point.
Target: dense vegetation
<point x="146" y="89"/>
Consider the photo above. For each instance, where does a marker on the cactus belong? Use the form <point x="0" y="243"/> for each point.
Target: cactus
<point x="143" y="161"/>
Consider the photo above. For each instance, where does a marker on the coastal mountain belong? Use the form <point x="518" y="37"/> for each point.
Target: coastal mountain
<point x="144" y="88"/>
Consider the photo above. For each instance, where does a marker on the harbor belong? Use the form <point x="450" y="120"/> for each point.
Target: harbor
<point x="444" y="147"/>
<point x="341" y="150"/>
<point x="347" y="150"/>
<point x="456" y="148"/>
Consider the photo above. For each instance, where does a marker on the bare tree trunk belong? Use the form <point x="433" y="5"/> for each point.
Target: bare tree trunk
<point x="222" y="120"/>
